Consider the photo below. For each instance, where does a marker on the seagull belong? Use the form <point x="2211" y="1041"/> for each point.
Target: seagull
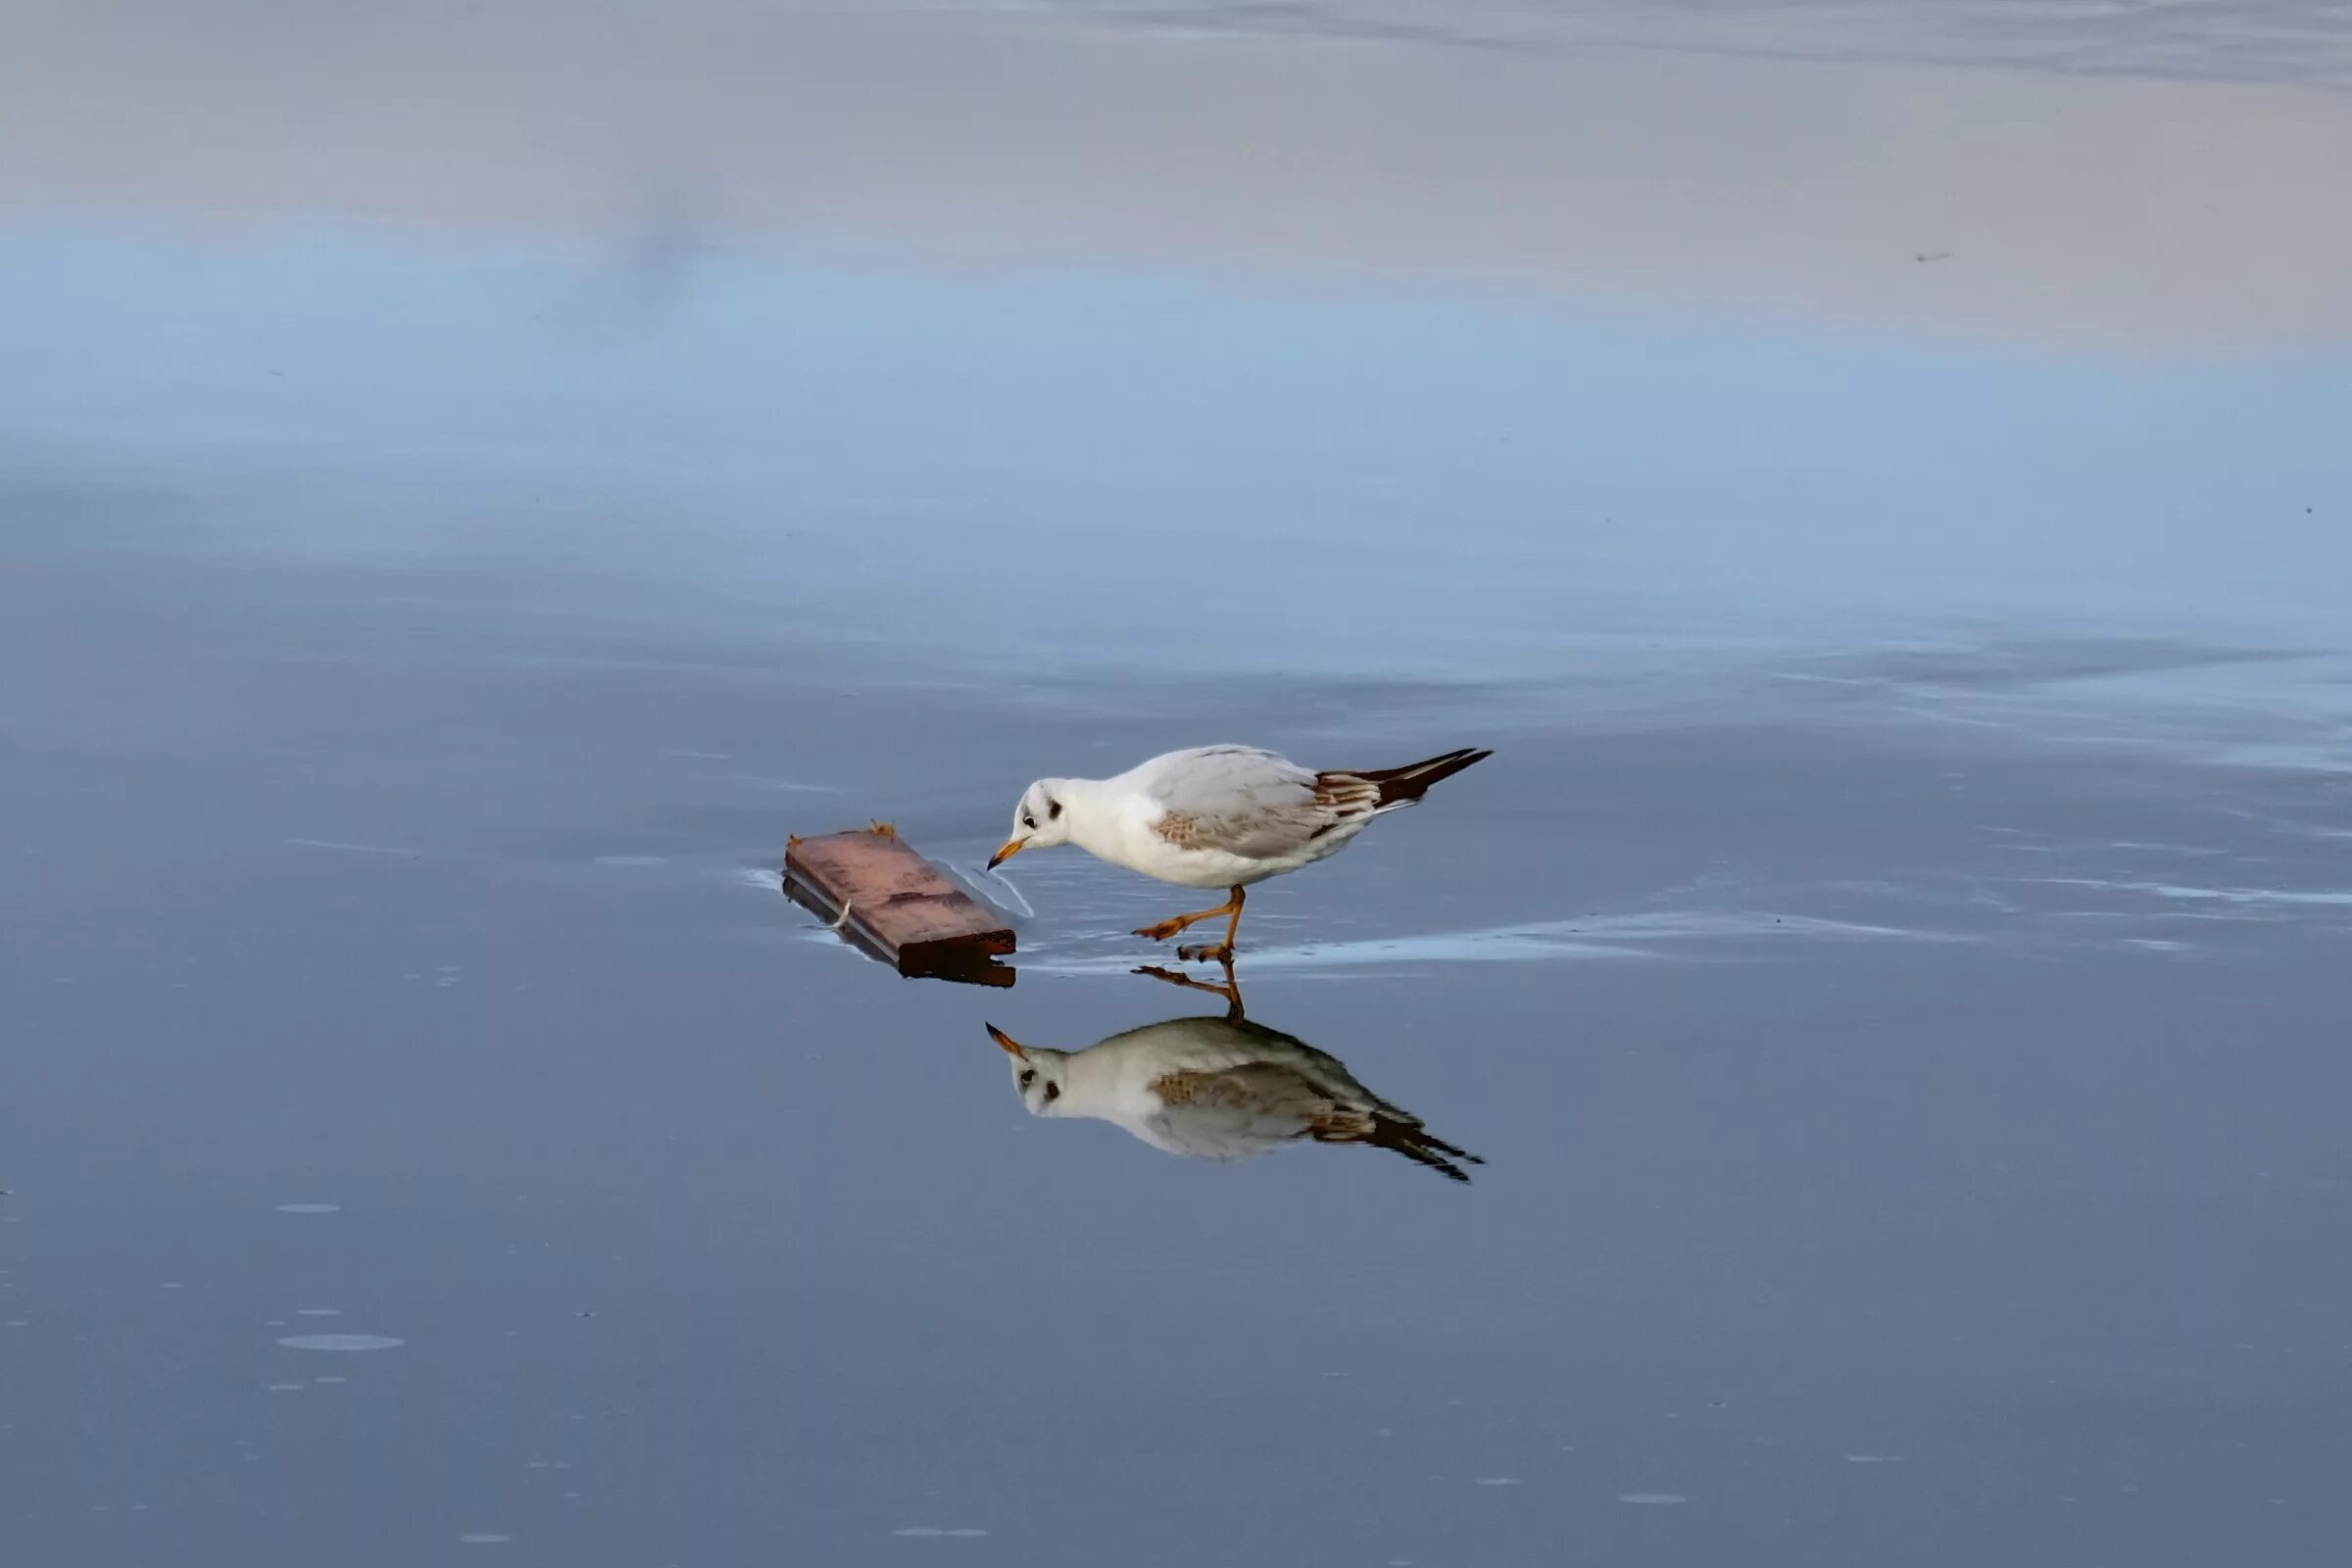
<point x="1217" y="816"/>
<point x="1221" y="1088"/>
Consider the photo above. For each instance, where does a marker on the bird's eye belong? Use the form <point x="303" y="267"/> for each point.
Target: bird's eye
<point x="1029" y="822"/>
<point x="1028" y="1077"/>
<point x="1052" y="1092"/>
<point x="1053" y="811"/>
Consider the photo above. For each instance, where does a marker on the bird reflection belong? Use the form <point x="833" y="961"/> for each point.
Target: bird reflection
<point x="1220" y="1088"/>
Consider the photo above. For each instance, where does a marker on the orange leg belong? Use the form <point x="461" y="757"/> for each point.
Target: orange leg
<point x="1231" y="990"/>
<point x="1184" y="922"/>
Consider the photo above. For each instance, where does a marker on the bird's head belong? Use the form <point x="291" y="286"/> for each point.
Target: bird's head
<point x="1036" y="1074"/>
<point x="1041" y="821"/>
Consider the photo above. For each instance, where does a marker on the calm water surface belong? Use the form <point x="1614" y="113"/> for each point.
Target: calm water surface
<point x="1892" y="971"/>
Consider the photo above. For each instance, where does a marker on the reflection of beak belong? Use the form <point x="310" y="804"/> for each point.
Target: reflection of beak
<point x="1012" y="847"/>
<point x="1006" y="1041"/>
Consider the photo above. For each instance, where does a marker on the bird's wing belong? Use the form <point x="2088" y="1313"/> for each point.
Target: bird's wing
<point x="1235" y="1114"/>
<point x="1251" y="803"/>
<point x="1351" y="1112"/>
<point x="1250" y="1109"/>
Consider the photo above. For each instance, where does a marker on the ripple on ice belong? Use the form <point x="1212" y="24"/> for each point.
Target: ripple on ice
<point x="341" y="1341"/>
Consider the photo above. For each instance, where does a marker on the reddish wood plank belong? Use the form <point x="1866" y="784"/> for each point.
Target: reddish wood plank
<point x="897" y="903"/>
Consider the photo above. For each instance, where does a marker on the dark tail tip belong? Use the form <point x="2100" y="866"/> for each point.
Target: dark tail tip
<point x="1417" y="1145"/>
<point x="1410" y="782"/>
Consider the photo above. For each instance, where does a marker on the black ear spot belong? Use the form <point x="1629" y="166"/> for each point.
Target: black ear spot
<point x="1052" y="1091"/>
<point x="1053" y="811"/>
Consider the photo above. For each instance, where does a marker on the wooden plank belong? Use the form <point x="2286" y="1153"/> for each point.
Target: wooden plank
<point x="881" y="894"/>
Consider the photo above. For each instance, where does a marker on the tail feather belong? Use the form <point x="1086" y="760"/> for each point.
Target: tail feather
<point x="1410" y="1139"/>
<point x="1402" y="786"/>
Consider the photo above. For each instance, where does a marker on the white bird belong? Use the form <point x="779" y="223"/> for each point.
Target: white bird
<point x="1217" y="816"/>
<point x="1220" y="1089"/>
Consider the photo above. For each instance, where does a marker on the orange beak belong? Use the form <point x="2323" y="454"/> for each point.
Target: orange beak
<point x="1012" y="847"/>
<point x="1010" y="1044"/>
